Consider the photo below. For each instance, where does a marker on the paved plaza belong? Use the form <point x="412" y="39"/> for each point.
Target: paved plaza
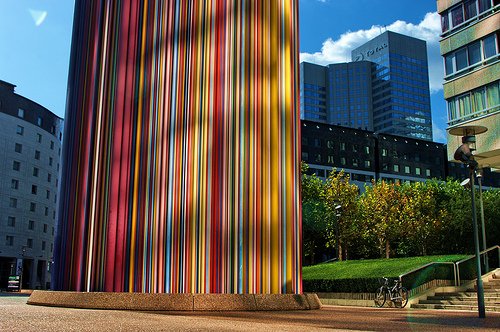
<point x="16" y="315"/>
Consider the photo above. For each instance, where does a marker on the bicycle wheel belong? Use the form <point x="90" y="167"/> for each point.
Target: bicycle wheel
<point x="380" y="297"/>
<point x="403" y="293"/>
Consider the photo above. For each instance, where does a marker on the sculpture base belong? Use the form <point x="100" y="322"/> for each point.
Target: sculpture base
<point x="175" y="302"/>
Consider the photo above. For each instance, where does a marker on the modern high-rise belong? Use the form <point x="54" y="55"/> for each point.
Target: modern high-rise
<point x="30" y="147"/>
<point x="337" y="94"/>
<point x="470" y="48"/>
<point x="385" y="88"/>
<point x="400" y="84"/>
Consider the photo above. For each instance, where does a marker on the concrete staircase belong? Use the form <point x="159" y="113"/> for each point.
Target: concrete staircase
<point x="466" y="300"/>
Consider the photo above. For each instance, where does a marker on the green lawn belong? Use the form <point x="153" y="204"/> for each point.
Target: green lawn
<point x="372" y="268"/>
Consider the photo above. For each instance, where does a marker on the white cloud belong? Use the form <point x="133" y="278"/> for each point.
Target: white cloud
<point x="38" y="16"/>
<point x="428" y="29"/>
<point x="439" y="134"/>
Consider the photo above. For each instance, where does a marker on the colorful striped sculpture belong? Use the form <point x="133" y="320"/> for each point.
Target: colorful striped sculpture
<point x="181" y="149"/>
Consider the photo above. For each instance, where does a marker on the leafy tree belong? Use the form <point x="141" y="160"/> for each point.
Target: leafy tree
<point x="342" y="224"/>
<point x="381" y="213"/>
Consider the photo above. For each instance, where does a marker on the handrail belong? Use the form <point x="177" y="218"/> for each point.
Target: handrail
<point x="429" y="264"/>
<point x="473" y="256"/>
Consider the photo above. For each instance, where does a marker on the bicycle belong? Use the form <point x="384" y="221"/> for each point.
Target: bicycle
<point x="397" y="294"/>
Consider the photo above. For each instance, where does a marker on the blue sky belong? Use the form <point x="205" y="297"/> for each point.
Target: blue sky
<point x="35" y="39"/>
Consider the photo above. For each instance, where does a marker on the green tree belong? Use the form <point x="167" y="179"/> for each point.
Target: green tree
<point x="342" y="221"/>
<point x="314" y="216"/>
<point x="381" y="213"/>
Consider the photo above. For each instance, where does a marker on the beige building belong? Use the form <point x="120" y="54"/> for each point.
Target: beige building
<point x="470" y="48"/>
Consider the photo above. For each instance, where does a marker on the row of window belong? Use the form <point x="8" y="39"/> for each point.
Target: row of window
<point x="469" y="56"/>
<point x="330" y="144"/>
<point x="16" y="166"/>
<point x="39" y="122"/>
<point x="402" y="94"/>
<point x="464" y="12"/>
<point x="474" y="103"/>
<point x="9" y="241"/>
<point x="13" y="203"/>
<point x="317" y="157"/>
<point x="403" y="109"/>
<point x="395" y="56"/>
<point x="401" y="102"/>
<point x="20" y="131"/>
<point x="11" y="222"/>
<point x="18" y="147"/>
<point x="314" y="87"/>
<point x="306" y="93"/>
<point x="412" y="67"/>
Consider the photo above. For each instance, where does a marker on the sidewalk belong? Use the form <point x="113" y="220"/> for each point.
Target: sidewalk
<point x="16" y="315"/>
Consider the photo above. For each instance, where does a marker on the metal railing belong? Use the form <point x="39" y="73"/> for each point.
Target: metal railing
<point x="438" y="273"/>
<point x="485" y="264"/>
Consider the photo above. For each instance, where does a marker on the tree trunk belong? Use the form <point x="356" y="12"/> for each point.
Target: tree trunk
<point x="339" y="250"/>
<point x="387" y="249"/>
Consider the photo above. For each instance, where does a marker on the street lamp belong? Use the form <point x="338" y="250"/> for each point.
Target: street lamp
<point x="337" y="217"/>
<point x="479" y="175"/>
<point x="464" y="154"/>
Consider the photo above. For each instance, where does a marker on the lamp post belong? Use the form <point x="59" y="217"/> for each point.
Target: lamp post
<point x="337" y="217"/>
<point x="464" y="154"/>
<point x="479" y="175"/>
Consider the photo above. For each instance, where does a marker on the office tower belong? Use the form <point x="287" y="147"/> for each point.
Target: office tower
<point x="400" y="84"/>
<point x="337" y="94"/>
<point x="30" y="142"/>
<point x="470" y="48"/>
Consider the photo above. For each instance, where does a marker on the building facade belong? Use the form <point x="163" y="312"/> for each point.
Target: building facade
<point x="400" y="84"/>
<point x="337" y="94"/>
<point x="470" y="48"/>
<point x="368" y="156"/>
<point x="385" y="89"/>
<point x="30" y="143"/>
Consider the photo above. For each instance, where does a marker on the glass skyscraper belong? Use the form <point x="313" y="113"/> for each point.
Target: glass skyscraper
<point x="385" y="89"/>
<point x="400" y="84"/>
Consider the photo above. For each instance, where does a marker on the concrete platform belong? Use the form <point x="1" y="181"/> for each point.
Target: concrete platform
<point x="175" y="302"/>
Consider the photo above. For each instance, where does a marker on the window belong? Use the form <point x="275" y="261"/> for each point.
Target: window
<point x="39" y="121"/>
<point x="50" y="161"/>
<point x="427" y="172"/>
<point x="342" y="146"/>
<point x="354" y="162"/>
<point x="457" y="16"/>
<point x="305" y="156"/>
<point x="461" y="59"/>
<point x="11" y="221"/>
<point x="39" y="138"/>
<point x="470" y="9"/>
<point x="18" y="148"/>
<point x="14" y="184"/>
<point x="29" y="243"/>
<point x="367" y="164"/>
<point x="396" y="168"/>
<point x="47" y="194"/>
<point x="474" y="52"/>
<point x="13" y="202"/>
<point x="417" y="170"/>
<point x="35" y="171"/>
<point x="317" y="157"/>
<point x="32" y="207"/>
<point x="342" y="160"/>
<point x="489" y="46"/>
<point x="31" y="225"/>
<point x="37" y="155"/>
<point x="331" y="160"/>
<point x="49" y="177"/>
<point x="34" y="189"/>
<point x="367" y="149"/>
<point x="484" y="5"/>
<point x="52" y="230"/>
<point x="16" y="166"/>
<point x="475" y="102"/>
<point x="52" y="145"/>
<point x="20" y="130"/>
<point x="20" y="113"/>
<point x="43" y="245"/>
<point x="9" y="240"/>
<point x="329" y="144"/>
<point x="384" y="152"/>
<point x="407" y="169"/>
<point x="45" y="228"/>
<point x="46" y="211"/>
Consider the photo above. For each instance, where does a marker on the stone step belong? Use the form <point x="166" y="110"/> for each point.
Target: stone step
<point x="454" y="307"/>
<point x="458" y="302"/>
<point x="494" y="300"/>
<point x="469" y="293"/>
<point x="486" y="290"/>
